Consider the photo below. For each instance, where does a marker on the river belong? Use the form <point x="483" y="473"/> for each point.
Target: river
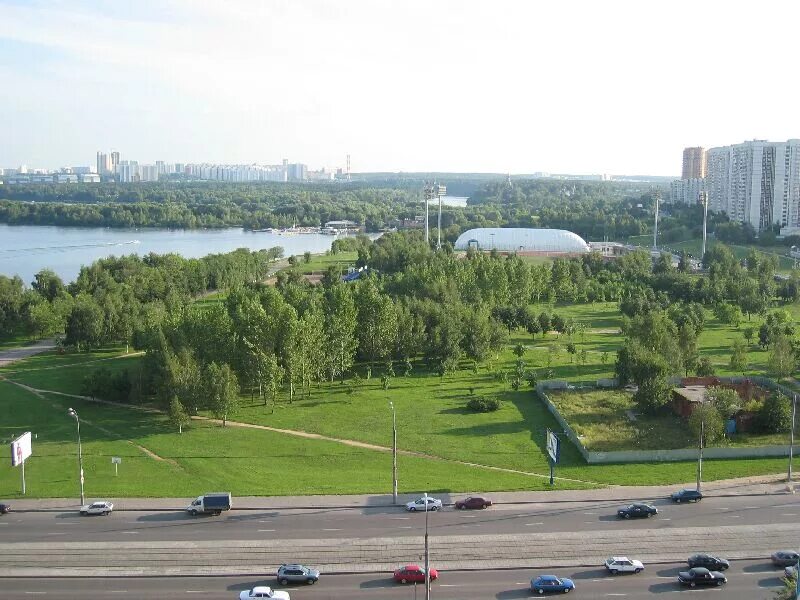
<point x="27" y="249"/>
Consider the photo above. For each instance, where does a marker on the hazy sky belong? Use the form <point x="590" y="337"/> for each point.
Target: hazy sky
<point x="501" y="86"/>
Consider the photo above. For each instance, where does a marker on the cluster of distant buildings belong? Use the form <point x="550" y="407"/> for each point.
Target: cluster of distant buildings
<point x="109" y="167"/>
<point x="755" y="182"/>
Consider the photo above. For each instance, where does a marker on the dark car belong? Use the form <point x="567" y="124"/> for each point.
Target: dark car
<point x="687" y="495"/>
<point x="709" y="561"/>
<point x="297" y="574"/>
<point x="473" y="502"/>
<point x="637" y="510"/>
<point x="551" y="583"/>
<point x="701" y="576"/>
<point x="785" y="558"/>
<point x="4" y="508"/>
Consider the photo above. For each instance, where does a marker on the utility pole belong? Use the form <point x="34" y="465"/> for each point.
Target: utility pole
<point x="71" y="412"/>
<point x="700" y="453"/>
<point x="791" y="441"/>
<point x="427" y="562"/>
<point x="394" y="455"/>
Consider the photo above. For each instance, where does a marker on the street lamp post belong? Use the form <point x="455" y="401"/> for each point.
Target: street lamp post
<point x="700" y="453"/>
<point x="394" y="454"/>
<point x="71" y="412"/>
<point x="791" y="441"/>
<point x="427" y="562"/>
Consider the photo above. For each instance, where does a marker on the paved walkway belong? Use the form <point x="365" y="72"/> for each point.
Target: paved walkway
<point x="12" y="355"/>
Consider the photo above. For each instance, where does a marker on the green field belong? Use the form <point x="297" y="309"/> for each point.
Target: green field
<point x="431" y="418"/>
<point x="320" y="262"/>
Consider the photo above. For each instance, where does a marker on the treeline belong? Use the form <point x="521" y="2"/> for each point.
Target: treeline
<point x="114" y="298"/>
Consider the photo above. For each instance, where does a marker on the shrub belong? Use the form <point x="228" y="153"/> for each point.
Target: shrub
<point x="481" y="404"/>
<point x="775" y="415"/>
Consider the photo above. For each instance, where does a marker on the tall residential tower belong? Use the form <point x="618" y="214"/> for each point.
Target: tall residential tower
<point x="694" y="163"/>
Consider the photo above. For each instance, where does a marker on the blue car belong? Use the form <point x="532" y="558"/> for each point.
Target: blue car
<point x="551" y="583"/>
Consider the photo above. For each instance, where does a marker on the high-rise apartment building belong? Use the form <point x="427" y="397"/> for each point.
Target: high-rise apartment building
<point x="756" y="182"/>
<point x="103" y="163"/>
<point x="114" y="160"/>
<point x="694" y="163"/>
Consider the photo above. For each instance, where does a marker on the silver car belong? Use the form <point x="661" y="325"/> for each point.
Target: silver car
<point x="297" y="574"/>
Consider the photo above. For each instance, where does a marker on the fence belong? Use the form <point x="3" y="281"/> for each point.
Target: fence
<point x="629" y="456"/>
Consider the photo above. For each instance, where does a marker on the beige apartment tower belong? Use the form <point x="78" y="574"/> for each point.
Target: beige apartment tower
<point x="694" y="163"/>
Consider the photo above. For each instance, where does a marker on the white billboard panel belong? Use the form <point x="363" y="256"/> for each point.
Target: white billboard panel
<point x="553" y="446"/>
<point x="20" y="449"/>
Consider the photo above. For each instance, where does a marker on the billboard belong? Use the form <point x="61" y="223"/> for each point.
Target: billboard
<point x="20" y="449"/>
<point x="553" y="446"/>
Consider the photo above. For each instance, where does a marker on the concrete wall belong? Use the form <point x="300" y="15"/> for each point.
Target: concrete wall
<point x="628" y="456"/>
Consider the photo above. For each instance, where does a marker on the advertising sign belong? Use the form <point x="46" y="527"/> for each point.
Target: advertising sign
<point x="20" y="449"/>
<point x="553" y="446"/>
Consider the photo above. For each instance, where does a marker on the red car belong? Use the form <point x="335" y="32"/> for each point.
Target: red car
<point x="413" y="574"/>
<point x="473" y="502"/>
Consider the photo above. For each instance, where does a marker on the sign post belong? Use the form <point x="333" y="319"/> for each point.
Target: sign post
<point x="553" y="451"/>
<point x="20" y="451"/>
<point x="116" y="460"/>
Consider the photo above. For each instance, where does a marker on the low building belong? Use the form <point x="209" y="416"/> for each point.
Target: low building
<point x="523" y="241"/>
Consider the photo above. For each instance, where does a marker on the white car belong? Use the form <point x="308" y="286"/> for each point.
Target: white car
<point x="623" y="564"/>
<point x="263" y="591"/>
<point x="790" y="572"/>
<point x="97" y="508"/>
<point x="419" y="504"/>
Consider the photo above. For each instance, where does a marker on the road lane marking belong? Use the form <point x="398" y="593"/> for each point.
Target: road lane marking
<point x="405" y="527"/>
<point x="590" y="513"/>
<point x="266" y="530"/>
<point x="131" y="532"/>
<point x="35" y="592"/>
<point x="735" y="517"/>
<point x="331" y="530"/>
<point x="265" y="520"/>
<point x="56" y="533"/>
<point x="663" y="519"/>
<point x="789" y="515"/>
<point x="532" y="524"/>
<point x="616" y="594"/>
<point x="118" y="591"/>
<point x="399" y="518"/>
<point x="196" y="592"/>
<point x="751" y="507"/>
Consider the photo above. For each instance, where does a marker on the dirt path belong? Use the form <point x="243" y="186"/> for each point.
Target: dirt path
<point x="12" y="355"/>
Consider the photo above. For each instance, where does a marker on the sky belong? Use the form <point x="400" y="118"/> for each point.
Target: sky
<point x="499" y="86"/>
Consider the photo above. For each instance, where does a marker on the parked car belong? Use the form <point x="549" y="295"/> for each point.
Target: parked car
<point x="5" y="508"/>
<point x="473" y="502"/>
<point x="550" y="583"/>
<point x="263" y="591"/>
<point x="709" y="561"/>
<point x="687" y="495"/>
<point x="785" y="558"/>
<point x="413" y="574"/>
<point x="701" y="576"/>
<point x="419" y="504"/>
<point x="637" y="510"/>
<point x="623" y="564"/>
<point x="297" y="574"/>
<point x="97" y="508"/>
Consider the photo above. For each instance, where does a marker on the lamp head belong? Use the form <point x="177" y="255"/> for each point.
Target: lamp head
<point x="71" y="412"/>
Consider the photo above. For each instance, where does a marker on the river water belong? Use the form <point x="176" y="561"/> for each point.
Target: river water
<point x="27" y="249"/>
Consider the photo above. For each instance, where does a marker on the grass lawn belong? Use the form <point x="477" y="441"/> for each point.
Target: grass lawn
<point x="320" y="262"/>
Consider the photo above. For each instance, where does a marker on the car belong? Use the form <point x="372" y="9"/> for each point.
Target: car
<point x="473" y="502"/>
<point x="709" y="561"/>
<point x="413" y="574"/>
<point x="97" y="508"/>
<point x="5" y="508"/>
<point x="419" y="504"/>
<point x="623" y="564"/>
<point x="785" y="558"/>
<point x="550" y="583"/>
<point x="701" y="576"/>
<point x="687" y="495"/>
<point x="297" y="574"/>
<point x="790" y="572"/>
<point x="263" y="591"/>
<point x="637" y="510"/>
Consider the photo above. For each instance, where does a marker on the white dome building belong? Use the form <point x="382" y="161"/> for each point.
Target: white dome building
<point x="523" y="241"/>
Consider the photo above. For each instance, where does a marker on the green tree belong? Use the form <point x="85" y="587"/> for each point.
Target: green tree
<point x="307" y="257"/>
<point x="775" y="415"/>
<point x="705" y="368"/>
<point x="781" y="360"/>
<point x="222" y="390"/>
<point x="707" y="416"/>
<point x="178" y="415"/>
<point x="84" y="328"/>
<point x="48" y="284"/>
<point x="687" y="342"/>
<point x="340" y="329"/>
<point x="726" y="401"/>
<point x="739" y="360"/>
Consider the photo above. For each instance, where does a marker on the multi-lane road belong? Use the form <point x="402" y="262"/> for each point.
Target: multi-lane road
<point x="482" y="554"/>
<point x="747" y="580"/>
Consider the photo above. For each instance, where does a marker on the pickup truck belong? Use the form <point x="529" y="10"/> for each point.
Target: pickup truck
<point x="210" y="504"/>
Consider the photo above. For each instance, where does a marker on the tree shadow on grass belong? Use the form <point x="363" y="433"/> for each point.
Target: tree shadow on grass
<point x="488" y="429"/>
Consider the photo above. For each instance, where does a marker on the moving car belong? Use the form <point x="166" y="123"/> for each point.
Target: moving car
<point x="550" y="583"/>
<point x="297" y="574"/>
<point x="473" y="502"/>
<point x="413" y="574"/>
<point x="97" y="508"/>
<point x="637" y="510"/>
<point x="263" y="591"/>
<point x="419" y="504"/>
<point x="785" y="558"/>
<point x="709" y="561"/>
<point x="687" y="495"/>
<point x="5" y="508"/>
<point x="701" y="576"/>
<point x="623" y="564"/>
<point x="212" y="504"/>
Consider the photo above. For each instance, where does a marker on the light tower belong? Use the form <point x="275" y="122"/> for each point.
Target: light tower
<point x="427" y="194"/>
<point x="657" y="195"/>
<point x="704" y="201"/>
<point x="440" y="191"/>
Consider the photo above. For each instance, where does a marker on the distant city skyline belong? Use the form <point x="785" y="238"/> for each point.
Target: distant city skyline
<point x="454" y="86"/>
